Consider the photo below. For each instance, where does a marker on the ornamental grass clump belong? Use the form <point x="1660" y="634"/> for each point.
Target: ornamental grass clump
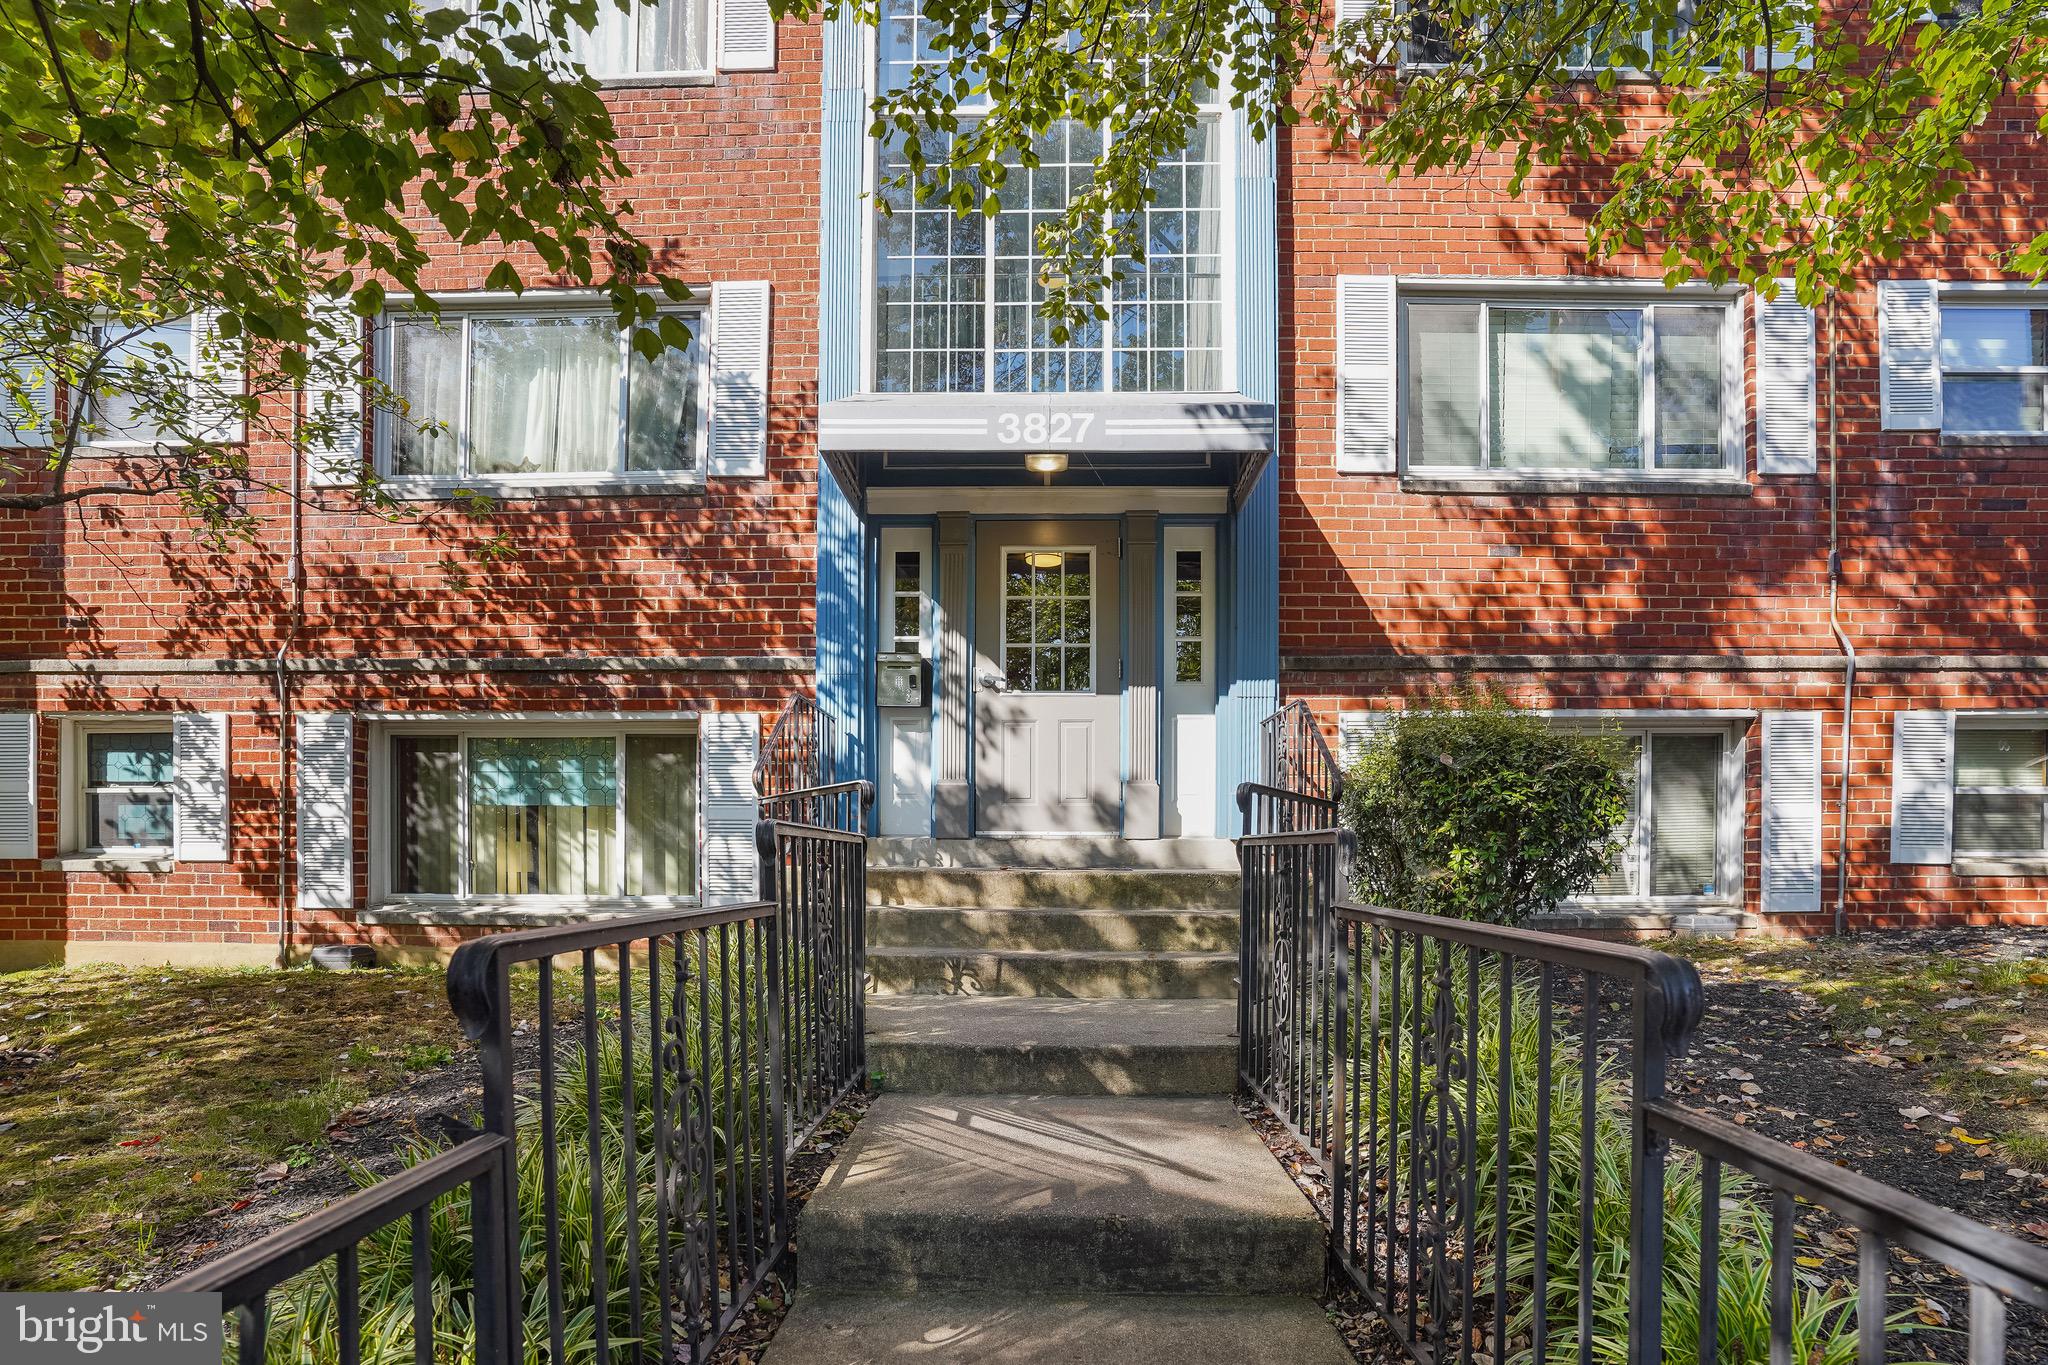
<point x="731" y="1083"/>
<point x="1475" y="810"/>
<point x="1392" y="1119"/>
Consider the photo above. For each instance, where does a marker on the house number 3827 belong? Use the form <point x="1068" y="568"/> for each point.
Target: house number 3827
<point x="1041" y="428"/>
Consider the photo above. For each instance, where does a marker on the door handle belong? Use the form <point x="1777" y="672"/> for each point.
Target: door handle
<point x="994" y="682"/>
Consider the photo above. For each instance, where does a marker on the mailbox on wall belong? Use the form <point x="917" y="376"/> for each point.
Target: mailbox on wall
<point x="902" y="680"/>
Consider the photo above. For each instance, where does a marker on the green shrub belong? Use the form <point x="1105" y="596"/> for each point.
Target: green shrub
<point x="1823" y="1311"/>
<point x="1479" y="811"/>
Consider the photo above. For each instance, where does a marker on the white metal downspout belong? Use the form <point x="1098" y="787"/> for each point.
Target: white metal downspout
<point x="1842" y="640"/>
<point x="294" y="585"/>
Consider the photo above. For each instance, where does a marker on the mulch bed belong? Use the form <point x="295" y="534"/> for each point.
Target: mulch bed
<point x="1765" y="1059"/>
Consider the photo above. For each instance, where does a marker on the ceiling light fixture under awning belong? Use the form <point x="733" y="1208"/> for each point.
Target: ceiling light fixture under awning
<point x="1046" y="462"/>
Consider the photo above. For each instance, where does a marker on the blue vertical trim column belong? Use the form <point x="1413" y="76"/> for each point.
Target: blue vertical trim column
<point x="844" y="611"/>
<point x="1250" y="544"/>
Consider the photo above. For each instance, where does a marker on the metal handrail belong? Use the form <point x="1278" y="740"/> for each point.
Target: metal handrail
<point x="1986" y="1256"/>
<point x="247" y="1273"/>
<point x="801" y="747"/>
<point x="1294" y="756"/>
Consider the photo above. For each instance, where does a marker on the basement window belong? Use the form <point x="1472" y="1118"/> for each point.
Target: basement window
<point x="560" y="814"/>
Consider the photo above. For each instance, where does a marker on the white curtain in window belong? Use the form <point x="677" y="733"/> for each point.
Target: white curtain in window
<point x="672" y="36"/>
<point x="607" y="48"/>
<point x="1566" y="387"/>
<point x="426" y="370"/>
<point x="544" y="395"/>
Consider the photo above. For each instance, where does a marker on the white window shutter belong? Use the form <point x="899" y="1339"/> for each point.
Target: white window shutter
<point x="1365" y="374"/>
<point x="33" y="429"/>
<point x="729" y="742"/>
<point x="1909" y="346"/>
<point x="218" y="378"/>
<point x="1785" y="401"/>
<point x="1792" y="811"/>
<point x="1923" y="786"/>
<point x="746" y="36"/>
<point x="199" y="785"/>
<point x="326" y="811"/>
<point x="17" y="784"/>
<point x="336" y="405"/>
<point x="1355" y="730"/>
<point x="739" y="378"/>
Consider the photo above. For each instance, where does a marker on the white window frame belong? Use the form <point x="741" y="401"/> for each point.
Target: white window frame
<point x="383" y="805"/>
<point x="889" y="547"/>
<point x="1003" y="600"/>
<point x="2016" y="720"/>
<point x="1598" y="295"/>
<point x="1579" y="70"/>
<point x="460" y="311"/>
<point x="90" y="400"/>
<point x="1227" y="332"/>
<point x="1729" y="815"/>
<point x="74" y="812"/>
<point x="694" y="75"/>
<point x="1962" y="294"/>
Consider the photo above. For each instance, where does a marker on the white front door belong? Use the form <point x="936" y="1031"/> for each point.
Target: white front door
<point x="1188" y="682"/>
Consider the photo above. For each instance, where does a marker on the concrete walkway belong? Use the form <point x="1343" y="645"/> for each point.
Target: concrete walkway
<point x="1056" y="1174"/>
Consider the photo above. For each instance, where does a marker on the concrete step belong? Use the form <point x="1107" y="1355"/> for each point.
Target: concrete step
<point x="1043" y="927"/>
<point x="1055" y="888"/>
<point x="1054" y="1195"/>
<point x="1056" y="850"/>
<point x="867" y="1329"/>
<point x="1058" y="972"/>
<point x="978" y="1045"/>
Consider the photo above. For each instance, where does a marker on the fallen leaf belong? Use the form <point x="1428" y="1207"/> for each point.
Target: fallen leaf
<point x="1916" y="1113"/>
<point x="1964" y="1135"/>
<point x="1969" y="1175"/>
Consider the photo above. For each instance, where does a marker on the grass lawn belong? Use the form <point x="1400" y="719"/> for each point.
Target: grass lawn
<point x="1960" y="1015"/>
<point x="134" y="1100"/>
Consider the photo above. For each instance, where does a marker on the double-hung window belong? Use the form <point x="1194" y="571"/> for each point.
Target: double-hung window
<point x="957" y="296"/>
<point x="538" y="394"/>
<point x="1994" y="368"/>
<point x="1680" y="832"/>
<point x="1553" y="384"/>
<point x="141" y="371"/>
<point x="127" y="794"/>
<point x="2001" y="789"/>
<point x="564" y="813"/>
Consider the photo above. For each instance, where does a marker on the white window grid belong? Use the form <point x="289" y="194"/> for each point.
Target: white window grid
<point x="969" y="325"/>
<point x="1646" y="372"/>
<point x="899" y="595"/>
<point x="459" y="427"/>
<point x="1062" y="598"/>
<point x="1190" y="600"/>
<point x="1579" y="60"/>
<point x="1953" y="303"/>
<point x="392" y="801"/>
<point x="699" y="19"/>
<point x="139" y="334"/>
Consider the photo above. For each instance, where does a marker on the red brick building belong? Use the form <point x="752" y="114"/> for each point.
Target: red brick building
<point x="1343" y="442"/>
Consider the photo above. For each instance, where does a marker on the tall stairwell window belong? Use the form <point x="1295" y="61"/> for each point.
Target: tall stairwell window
<point x="956" y="296"/>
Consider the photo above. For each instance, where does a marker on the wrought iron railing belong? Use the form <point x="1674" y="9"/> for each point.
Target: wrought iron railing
<point x="1995" y="1267"/>
<point x="644" y="1081"/>
<point x="1504" y="1173"/>
<point x="1294" y="757"/>
<point x="800" y="750"/>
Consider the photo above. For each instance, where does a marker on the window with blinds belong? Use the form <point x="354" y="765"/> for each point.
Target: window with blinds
<point x="1671" y="845"/>
<point x="1534" y="386"/>
<point x="2001" y="799"/>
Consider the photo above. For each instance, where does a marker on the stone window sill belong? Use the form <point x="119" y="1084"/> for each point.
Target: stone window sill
<point x="516" y="913"/>
<point x="112" y="862"/>
<point x="521" y="490"/>
<point x="1981" y="866"/>
<point x="1575" y="485"/>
